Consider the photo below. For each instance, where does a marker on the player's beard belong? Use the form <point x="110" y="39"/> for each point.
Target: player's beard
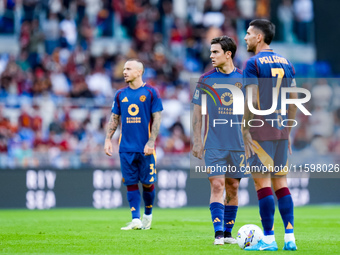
<point x="250" y="48"/>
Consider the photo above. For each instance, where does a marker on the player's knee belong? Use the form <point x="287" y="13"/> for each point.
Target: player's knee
<point x="232" y="189"/>
<point x="217" y="186"/>
<point x="279" y="183"/>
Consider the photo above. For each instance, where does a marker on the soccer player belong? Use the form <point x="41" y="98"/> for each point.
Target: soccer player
<point x="138" y="108"/>
<point x="223" y="143"/>
<point x="269" y="145"/>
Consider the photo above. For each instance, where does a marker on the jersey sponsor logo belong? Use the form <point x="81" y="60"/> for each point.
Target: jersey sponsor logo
<point x="133" y="120"/>
<point x="142" y="98"/>
<point x="133" y="109"/>
<point x="125" y="100"/>
<point x="227" y="98"/>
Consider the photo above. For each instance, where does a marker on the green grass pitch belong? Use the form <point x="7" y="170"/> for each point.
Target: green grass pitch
<point x="174" y="231"/>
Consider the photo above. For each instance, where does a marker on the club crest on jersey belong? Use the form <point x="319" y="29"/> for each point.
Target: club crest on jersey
<point x="239" y="85"/>
<point x="142" y="98"/>
<point x="133" y="109"/>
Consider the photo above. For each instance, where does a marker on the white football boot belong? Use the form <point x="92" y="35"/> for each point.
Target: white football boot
<point x="219" y="241"/>
<point x="134" y="224"/>
<point x="230" y="240"/>
<point x="146" y="221"/>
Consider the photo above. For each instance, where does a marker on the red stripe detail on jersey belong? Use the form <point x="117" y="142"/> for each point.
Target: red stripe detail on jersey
<point x="257" y="68"/>
<point x="151" y="94"/>
<point x="117" y="97"/>
<point x="239" y="71"/>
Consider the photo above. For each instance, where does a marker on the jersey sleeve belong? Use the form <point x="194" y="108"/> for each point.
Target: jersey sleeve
<point x="250" y="73"/>
<point x="116" y="104"/>
<point x="156" y="104"/>
<point x="196" y="99"/>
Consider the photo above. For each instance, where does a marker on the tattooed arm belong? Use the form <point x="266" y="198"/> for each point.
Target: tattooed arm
<point x="248" y="115"/>
<point x="111" y="129"/>
<point x="197" y="148"/>
<point x="150" y="145"/>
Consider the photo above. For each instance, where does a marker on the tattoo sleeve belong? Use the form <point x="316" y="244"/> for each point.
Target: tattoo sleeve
<point x="155" y="128"/>
<point x="248" y="115"/>
<point x="112" y="126"/>
<point x="197" y="123"/>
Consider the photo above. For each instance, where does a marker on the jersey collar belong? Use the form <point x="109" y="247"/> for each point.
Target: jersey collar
<point x="267" y="50"/>
<point x="225" y="73"/>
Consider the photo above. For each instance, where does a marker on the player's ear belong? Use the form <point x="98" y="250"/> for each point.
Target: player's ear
<point x="259" y="37"/>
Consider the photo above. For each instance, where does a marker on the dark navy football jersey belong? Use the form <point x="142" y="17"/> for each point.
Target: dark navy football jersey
<point x="268" y="69"/>
<point x="135" y="106"/>
<point x="220" y="136"/>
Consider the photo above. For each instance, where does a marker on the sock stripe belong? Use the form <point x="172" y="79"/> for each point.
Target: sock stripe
<point x="149" y="189"/>
<point x="282" y="192"/>
<point x="132" y="187"/>
<point x="264" y="192"/>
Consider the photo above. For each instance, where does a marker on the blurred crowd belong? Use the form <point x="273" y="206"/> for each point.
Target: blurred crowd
<point x="56" y="93"/>
<point x="319" y="132"/>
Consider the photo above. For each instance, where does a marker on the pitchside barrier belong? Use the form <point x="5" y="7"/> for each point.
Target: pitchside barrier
<point x="103" y="188"/>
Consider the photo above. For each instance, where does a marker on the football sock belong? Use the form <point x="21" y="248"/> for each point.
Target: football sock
<point x="267" y="210"/>
<point x="230" y="212"/>
<point x="286" y="208"/>
<point x="217" y="211"/>
<point x="289" y="237"/>
<point x="148" y="197"/>
<point x="134" y="199"/>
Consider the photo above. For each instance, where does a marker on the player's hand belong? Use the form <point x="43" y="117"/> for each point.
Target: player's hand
<point x="108" y="147"/>
<point x="197" y="150"/>
<point x="289" y="146"/>
<point x="248" y="143"/>
<point x="149" y="148"/>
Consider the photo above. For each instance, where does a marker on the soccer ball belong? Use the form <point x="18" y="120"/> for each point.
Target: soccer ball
<point x="248" y="235"/>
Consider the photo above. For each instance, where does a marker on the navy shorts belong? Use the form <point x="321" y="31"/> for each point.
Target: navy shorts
<point x="224" y="162"/>
<point x="271" y="156"/>
<point x="135" y="167"/>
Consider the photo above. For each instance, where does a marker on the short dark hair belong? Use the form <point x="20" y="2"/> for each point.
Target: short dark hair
<point x="227" y="44"/>
<point x="266" y="27"/>
<point x="138" y="61"/>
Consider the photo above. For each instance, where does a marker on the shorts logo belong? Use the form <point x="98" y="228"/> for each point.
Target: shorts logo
<point x="142" y="98"/>
<point x="152" y="179"/>
<point x="227" y="96"/>
<point x="133" y="109"/>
